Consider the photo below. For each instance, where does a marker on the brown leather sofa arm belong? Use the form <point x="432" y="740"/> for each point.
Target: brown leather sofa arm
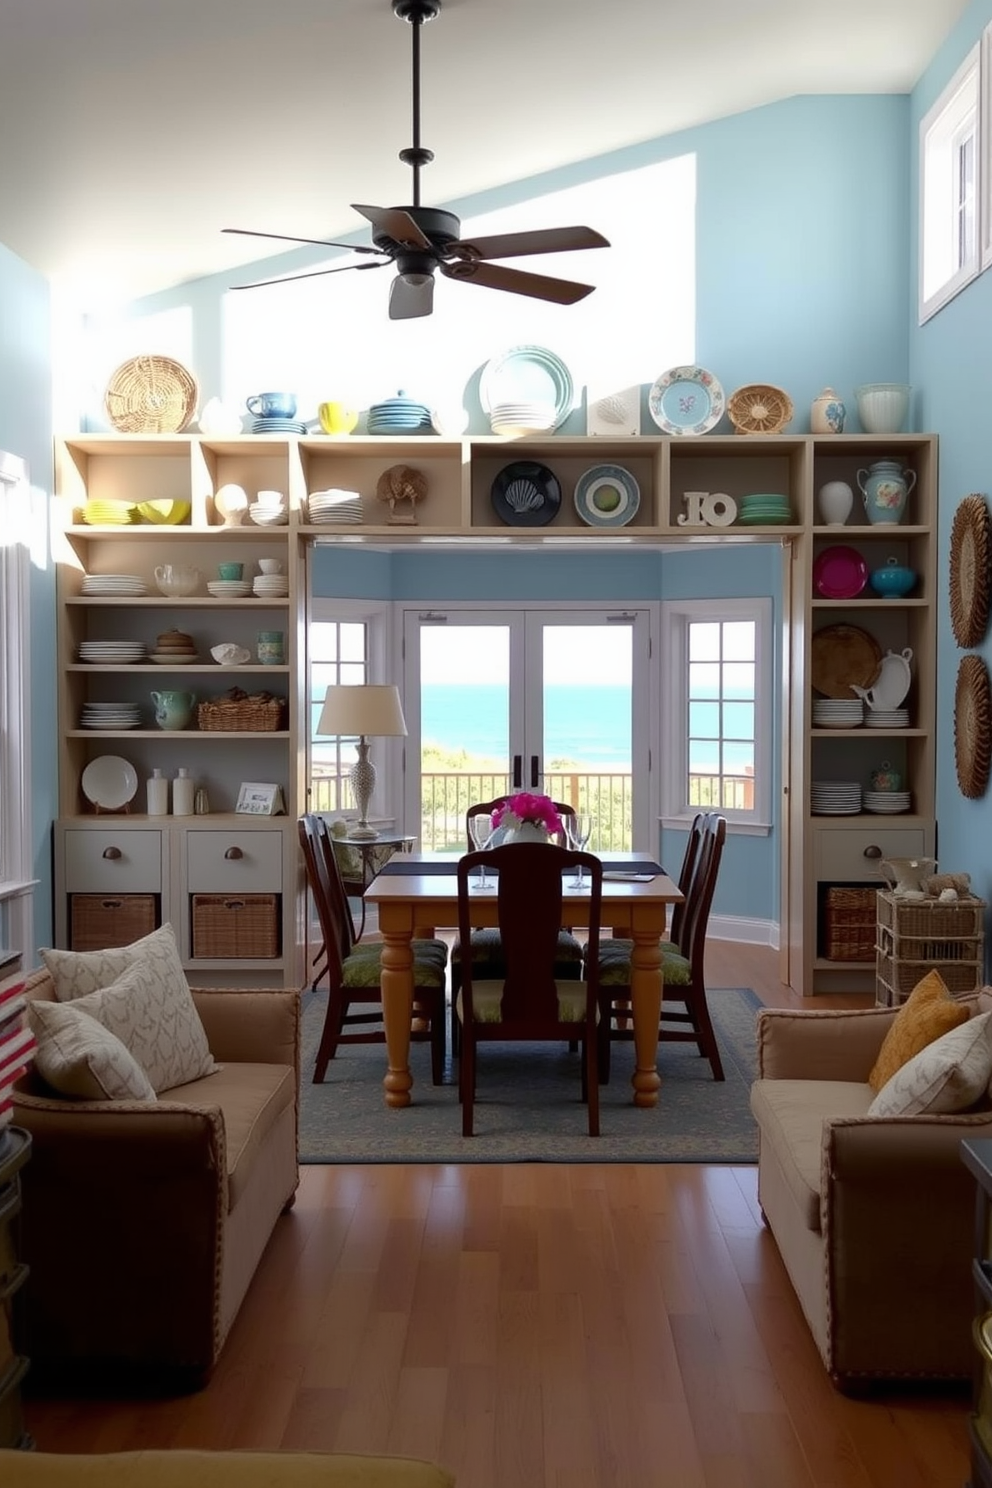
<point x="251" y="1027"/>
<point x="835" y="1044"/>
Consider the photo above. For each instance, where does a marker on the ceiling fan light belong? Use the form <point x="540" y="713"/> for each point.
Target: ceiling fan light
<point x="415" y="280"/>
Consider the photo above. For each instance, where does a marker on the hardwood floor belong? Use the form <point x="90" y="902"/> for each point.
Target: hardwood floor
<point x="535" y="1326"/>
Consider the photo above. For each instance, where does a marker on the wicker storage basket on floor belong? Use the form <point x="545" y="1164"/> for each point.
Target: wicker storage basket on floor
<point x="100" y="920"/>
<point x="235" y="926"/>
<point x="242" y="712"/>
<point x="850" y="924"/>
<point x="915" y="938"/>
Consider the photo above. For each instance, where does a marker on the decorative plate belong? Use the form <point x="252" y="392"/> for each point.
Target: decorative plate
<point x="843" y="657"/>
<point x="526" y="494"/>
<point x="972" y="726"/>
<point x="527" y="374"/>
<point x="686" y="400"/>
<point x="110" y="782"/>
<point x="840" y="573"/>
<point x="759" y="408"/>
<point x="607" y="496"/>
<point x="150" y="395"/>
<point x="971" y="548"/>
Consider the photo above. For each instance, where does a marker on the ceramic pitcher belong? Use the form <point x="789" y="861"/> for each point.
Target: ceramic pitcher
<point x="173" y="710"/>
<point x="885" y="487"/>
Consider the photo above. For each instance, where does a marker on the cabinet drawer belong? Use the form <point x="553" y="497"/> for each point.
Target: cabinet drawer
<point x="223" y="862"/>
<point x="841" y="855"/>
<point x="117" y="861"/>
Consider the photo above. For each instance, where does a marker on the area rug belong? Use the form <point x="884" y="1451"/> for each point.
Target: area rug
<point x="528" y="1107"/>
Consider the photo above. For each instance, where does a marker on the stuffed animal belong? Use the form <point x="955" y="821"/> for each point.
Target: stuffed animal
<point x="935" y="886"/>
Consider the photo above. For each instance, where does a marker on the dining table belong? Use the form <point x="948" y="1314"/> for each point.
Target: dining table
<point x="416" y="893"/>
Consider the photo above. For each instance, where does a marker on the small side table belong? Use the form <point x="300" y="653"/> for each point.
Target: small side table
<point x="15" y="1148"/>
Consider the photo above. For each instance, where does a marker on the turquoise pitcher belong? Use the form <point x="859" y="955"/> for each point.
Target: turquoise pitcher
<point x="173" y="710"/>
<point x="885" y="488"/>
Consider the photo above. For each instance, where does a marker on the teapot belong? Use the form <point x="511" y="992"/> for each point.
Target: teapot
<point x="176" y="580"/>
<point x="173" y="710"/>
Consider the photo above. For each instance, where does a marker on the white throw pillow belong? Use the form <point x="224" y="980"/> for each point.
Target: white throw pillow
<point x="75" y="973"/>
<point x="77" y="1056"/>
<point x="950" y="1074"/>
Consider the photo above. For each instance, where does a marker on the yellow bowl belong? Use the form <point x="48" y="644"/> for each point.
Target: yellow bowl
<point x="167" y="512"/>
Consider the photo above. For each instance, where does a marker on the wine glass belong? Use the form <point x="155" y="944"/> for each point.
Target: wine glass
<point x="481" y="828"/>
<point x="578" y="830"/>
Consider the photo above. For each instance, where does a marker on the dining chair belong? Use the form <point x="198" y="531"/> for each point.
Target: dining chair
<point x="485" y="943"/>
<point x="354" y="971"/>
<point x="530" y="1001"/>
<point x="682" y="963"/>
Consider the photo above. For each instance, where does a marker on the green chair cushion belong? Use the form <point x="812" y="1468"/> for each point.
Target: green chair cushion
<point x="486" y="947"/>
<point x="423" y="950"/>
<point x="487" y="999"/>
<point x="615" y="971"/>
<point x="366" y="971"/>
<point x="620" y="950"/>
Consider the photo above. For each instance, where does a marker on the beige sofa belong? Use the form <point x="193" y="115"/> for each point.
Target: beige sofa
<point x="873" y="1216"/>
<point x="143" y="1222"/>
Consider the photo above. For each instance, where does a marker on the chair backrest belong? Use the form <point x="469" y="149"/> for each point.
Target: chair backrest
<point x="686" y="872"/>
<point x="489" y="807"/>
<point x="699" y="896"/>
<point x="529" y="897"/>
<point x="324" y="880"/>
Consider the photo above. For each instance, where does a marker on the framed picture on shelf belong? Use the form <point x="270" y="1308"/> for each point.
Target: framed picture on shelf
<point x="256" y="798"/>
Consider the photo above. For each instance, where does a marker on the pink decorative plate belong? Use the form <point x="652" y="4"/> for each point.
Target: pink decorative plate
<point x="840" y="573"/>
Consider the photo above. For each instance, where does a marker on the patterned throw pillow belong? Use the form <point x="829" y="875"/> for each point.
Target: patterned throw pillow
<point x="141" y="994"/>
<point x="927" y="1013"/>
<point x="951" y="1074"/>
<point x="77" y="1056"/>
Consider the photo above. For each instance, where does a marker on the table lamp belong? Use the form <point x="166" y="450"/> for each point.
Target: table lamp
<point x="369" y="711"/>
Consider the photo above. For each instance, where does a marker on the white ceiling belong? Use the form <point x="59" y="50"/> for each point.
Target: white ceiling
<point x="134" y="130"/>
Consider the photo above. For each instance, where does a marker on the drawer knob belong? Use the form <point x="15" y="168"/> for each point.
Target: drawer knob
<point x="234" y="852"/>
<point x="112" y="852"/>
<point x="873" y="852"/>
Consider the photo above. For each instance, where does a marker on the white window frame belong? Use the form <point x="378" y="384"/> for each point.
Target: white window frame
<point x="955" y="116"/>
<point x="16" y="882"/>
<point x="676" y="616"/>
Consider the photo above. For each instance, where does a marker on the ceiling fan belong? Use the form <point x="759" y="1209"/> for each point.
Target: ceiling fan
<point x="420" y="240"/>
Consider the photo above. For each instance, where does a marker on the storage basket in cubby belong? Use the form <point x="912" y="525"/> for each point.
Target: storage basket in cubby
<point x="235" y="926"/>
<point x="241" y="712"/>
<point x="850" y="924"/>
<point x="100" y="920"/>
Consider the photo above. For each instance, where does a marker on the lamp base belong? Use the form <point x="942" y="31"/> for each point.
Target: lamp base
<point x="362" y="785"/>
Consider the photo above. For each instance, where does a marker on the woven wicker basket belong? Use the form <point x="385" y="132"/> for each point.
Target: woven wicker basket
<point x="151" y="395"/>
<point x="235" y="926"/>
<point x="100" y="920"/>
<point x="239" y="712"/>
<point x="850" y="924"/>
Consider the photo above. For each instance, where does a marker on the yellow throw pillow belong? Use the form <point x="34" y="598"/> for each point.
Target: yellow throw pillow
<point x="928" y="1012"/>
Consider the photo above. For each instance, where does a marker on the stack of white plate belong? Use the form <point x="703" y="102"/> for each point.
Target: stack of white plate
<point x="270" y="586"/>
<point x="835" y="797"/>
<point x="887" y="718"/>
<point x="334" y="505"/>
<point x="887" y="801"/>
<point x="110" y="716"/>
<point x="229" y="588"/>
<point x="268" y="516"/>
<point x="111" y="653"/>
<point x="521" y="418"/>
<point x="838" y="713"/>
<point x="119" y="584"/>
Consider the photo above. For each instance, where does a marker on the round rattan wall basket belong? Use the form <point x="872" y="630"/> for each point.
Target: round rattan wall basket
<point x="972" y="726"/>
<point x="971" y="549"/>
<point x="151" y="395"/>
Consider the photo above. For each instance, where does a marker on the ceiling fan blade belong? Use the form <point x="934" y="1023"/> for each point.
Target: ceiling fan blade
<point x="408" y="300"/>
<point x="544" y="240"/>
<point x="246" y="232"/>
<point x="313" y="274"/>
<point x="497" y="276"/>
<point x="396" y="224"/>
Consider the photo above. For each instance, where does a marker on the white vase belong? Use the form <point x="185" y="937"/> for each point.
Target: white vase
<point x="828" y="413"/>
<point x="835" y="500"/>
<point x="526" y="832"/>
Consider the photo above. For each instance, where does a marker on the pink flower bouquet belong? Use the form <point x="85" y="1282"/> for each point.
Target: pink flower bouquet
<point x="539" y="811"/>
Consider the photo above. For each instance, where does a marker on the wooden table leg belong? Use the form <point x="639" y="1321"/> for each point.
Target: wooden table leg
<point x="645" y="995"/>
<point x="397" y="1008"/>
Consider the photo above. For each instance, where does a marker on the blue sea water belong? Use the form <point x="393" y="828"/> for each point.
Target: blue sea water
<point x="587" y="725"/>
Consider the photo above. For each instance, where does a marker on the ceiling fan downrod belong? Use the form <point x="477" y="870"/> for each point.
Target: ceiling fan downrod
<point x="416" y="12"/>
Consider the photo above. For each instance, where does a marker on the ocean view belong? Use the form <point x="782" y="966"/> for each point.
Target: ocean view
<point x="586" y="725"/>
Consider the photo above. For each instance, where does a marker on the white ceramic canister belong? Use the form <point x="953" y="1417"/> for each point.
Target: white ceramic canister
<point x="158" y="794"/>
<point x="183" y="793"/>
<point x="827" y="414"/>
<point x="835" y="500"/>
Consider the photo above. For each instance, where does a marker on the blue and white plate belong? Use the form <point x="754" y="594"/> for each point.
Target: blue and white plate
<point x="686" y="400"/>
<point x="527" y="374"/>
<point x="607" y="496"/>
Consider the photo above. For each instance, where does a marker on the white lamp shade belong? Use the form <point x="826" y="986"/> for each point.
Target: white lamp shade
<point x="372" y="710"/>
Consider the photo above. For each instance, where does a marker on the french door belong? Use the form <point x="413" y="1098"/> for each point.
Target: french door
<point x="557" y="700"/>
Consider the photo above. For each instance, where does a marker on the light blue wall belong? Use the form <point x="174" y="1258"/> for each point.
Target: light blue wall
<point x="26" y="430"/>
<point x="951" y="366"/>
